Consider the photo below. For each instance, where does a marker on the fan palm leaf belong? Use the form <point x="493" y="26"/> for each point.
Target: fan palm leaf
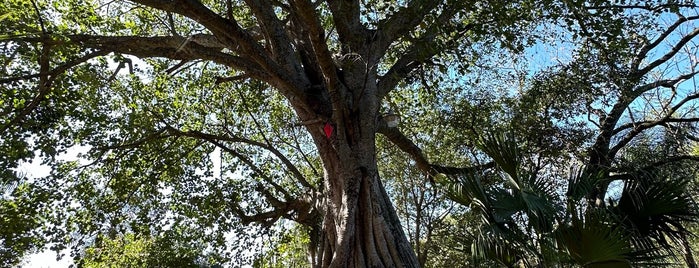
<point x="656" y="207"/>
<point x="594" y="243"/>
<point x="524" y="220"/>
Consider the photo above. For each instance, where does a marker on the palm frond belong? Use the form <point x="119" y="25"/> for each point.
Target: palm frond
<point x="502" y="148"/>
<point x="657" y="208"/>
<point x="467" y="188"/>
<point x="581" y="182"/>
<point x="501" y="244"/>
<point x="593" y="243"/>
<point x="542" y="204"/>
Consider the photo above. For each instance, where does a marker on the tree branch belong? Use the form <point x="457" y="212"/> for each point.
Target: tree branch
<point x="670" y="160"/>
<point x="406" y="145"/>
<point x="265" y="218"/>
<point x="269" y="147"/>
<point x="580" y="18"/>
<point x="305" y="12"/>
<point x="274" y="201"/>
<point x="657" y="164"/>
<point x="669" y="83"/>
<point x="232" y="138"/>
<point x="171" y="47"/>
<point x="230" y="33"/>
<point x="307" y="16"/>
<point x="305" y="213"/>
<point x="160" y="134"/>
<point x="676" y="48"/>
<point x="345" y="15"/>
<point x="641" y="127"/>
<point x="643" y="7"/>
<point x="654" y="123"/>
<point x="46" y="79"/>
<point x="301" y="205"/>
<point x="273" y="29"/>
<point x="403" y="21"/>
<point x="400" y="69"/>
<point x="58" y="70"/>
<point x="419" y="51"/>
<point x="38" y="15"/>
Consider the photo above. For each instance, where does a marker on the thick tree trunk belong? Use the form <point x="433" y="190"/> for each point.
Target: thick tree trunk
<point x="360" y="226"/>
<point x="363" y="229"/>
<point x="600" y="156"/>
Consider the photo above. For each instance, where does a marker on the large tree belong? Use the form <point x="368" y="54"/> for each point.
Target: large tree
<point x="289" y="97"/>
<point x="240" y="78"/>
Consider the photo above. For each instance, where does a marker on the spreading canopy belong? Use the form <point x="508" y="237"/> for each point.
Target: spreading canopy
<point x="217" y="115"/>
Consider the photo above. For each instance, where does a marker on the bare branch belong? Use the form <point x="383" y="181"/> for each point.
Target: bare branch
<point x="676" y="48"/>
<point x="654" y="123"/>
<point x="671" y="160"/>
<point x="641" y="127"/>
<point x="657" y="164"/>
<point x="668" y="83"/>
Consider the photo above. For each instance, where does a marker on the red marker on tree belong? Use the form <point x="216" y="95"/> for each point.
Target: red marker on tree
<point x="328" y="128"/>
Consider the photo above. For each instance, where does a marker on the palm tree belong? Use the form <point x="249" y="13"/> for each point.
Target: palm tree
<point x="527" y="219"/>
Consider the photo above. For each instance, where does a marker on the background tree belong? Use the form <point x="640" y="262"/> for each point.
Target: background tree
<point x="421" y="207"/>
<point x="179" y="247"/>
<point x="623" y="106"/>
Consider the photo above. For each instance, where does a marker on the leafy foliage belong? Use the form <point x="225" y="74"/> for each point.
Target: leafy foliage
<point x="289" y="251"/>
<point x="21" y="208"/>
<point x="203" y="117"/>
<point x="130" y="251"/>
<point x="529" y="222"/>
